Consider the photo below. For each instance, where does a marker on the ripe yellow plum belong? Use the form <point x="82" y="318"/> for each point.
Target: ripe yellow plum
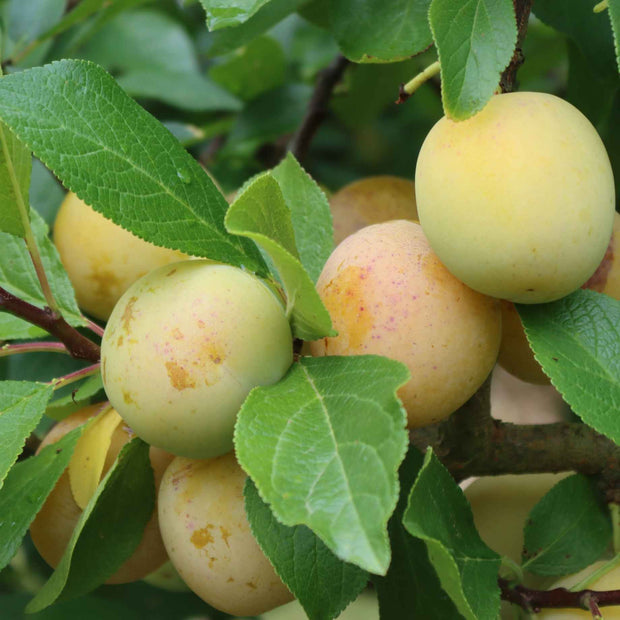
<point x="371" y="201"/>
<point x="101" y="258"/>
<point x="208" y="537"/>
<point x="55" y="522"/>
<point x="518" y="200"/>
<point x="388" y="294"/>
<point x="183" y="348"/>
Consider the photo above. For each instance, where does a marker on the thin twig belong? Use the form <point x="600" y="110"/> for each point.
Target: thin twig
<point x="78" y="345"/>
<point x="77" y="375"/>
<point x="96" y="329"/>
<point x="522" y="12"/>
<point x="32" y="347"/>
<point x="318" y="108"/>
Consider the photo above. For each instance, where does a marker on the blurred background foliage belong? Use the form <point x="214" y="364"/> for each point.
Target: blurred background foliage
<point x="234" y="98"/>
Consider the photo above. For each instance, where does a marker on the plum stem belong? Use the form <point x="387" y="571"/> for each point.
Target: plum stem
<point x="410" y="87"/>
<point x="75" y="376"/>
<point x="32" y="347"/>
<point x="601" y="6"/>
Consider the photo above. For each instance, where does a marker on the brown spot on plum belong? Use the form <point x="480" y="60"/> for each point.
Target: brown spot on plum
<point x="176" y="334"/>
<point x="251" y="585"/>
<point x="201" y="538"/>
<point x="180" y="379"/>
<point x="225" y="535"/>
<point x="119" y="342"/>
<point x="598" y="279"/>
<point x="128" y="314"/>
<point x="230" y="580"/>
<point x="127" y="398"/>
<point x="171" y="272"/>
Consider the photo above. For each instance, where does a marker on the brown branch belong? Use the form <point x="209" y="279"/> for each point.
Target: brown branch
<point x="317" y="110"/>
<point x="522" y="12"/>
<point x="78" y="345"/>
<point x="533" y="600"/>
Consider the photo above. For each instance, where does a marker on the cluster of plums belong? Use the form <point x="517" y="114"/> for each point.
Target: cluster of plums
<point x="513" y="205"/>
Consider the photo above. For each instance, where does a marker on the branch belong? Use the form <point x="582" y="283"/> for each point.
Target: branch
<point x="522" y="13"/>
<point x="317" y="110"/>
<point x="78" y="346"/>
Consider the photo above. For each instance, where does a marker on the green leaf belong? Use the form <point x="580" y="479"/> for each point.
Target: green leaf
<point x="589" y="30"/>
<point x="323" y="447"/>
<point x="25" y="489"/>
<point x="379" y="31"/>
<point x="310" y="214"/>
<point x="17" y="275"/>
<point x="22" y="404"/>
<point x="109" y="529"/>
<point x="567" y="530"/>
<point x="119" y="159"/>
<point x="439" y="514"/>
<point x="60" y="408"/>
<point x="614" y="17"/>
<point x="475" y="40"/>
<point x="254" y="69"/>
<point x="323" y="584"/>
<point x="577" y="342"/>
<point x="266" y="17"/>
<point x="260" y="214"/>
<point x="142" y="40"/>
<point x="226" y="13"/>
<point x="46" y="193"/>
<point x="188" y="91"/>
<point x="411" y="587"/>
<point x="15" y="166"/>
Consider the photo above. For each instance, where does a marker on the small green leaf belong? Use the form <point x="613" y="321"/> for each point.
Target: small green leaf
<point x="15" y="166"/>
<point x="264" y="19"/>
<point x="411" y="587"/>
<point x="379" y="31"/>
<point x="109" y="529"/>
<point x="439" y="514"/>
<point x="188" y="91"/>
<point x="323" y="447"/>
<point x="119" y="159"/>
<point x="475" y="40"/>
<point x="17" y="275"/>
<point x="25" y="489"/>
<point x="567" y="530"/>
<point x="60" y="408"/>
<point x="310" y="214"/>
<point x="577" y="341"/>
<point x="323" y="584"/>
<point x="226" y="13"/>
<point x="614" y="17"/>
<point x="260" y="213"/>
<point x="22" y="404"/>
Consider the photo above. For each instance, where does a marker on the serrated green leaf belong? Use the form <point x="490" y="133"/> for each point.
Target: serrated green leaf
<point x="411" y="587"/>
<point x="188" y="91"/>
<point x="22" y="404"/>
<point x="109" y="529"/>
<point x="439" y="514"/>
<point x="614" y="17"/>
<point x="310" y="214"/>
<point x="60" y="408"/>
<point x="15" y="166"/>
<point x="119" y="159"/>
<point x="254" y="69"/>
<point x="323" y="447"/>
<point x="266" y="17"/>
<point x="589" y="30"/>
<point x="577" y="342"/>
<point x="25" y="489"/>
<point x="17" y="275"/>
<point x="567" y="530"/>
<point x="227" y="13"/>
<point x="261" y="214"/>
<point x="475" y="40"/>
<point x="323" y="584"/>
<point x="379" y="31"/>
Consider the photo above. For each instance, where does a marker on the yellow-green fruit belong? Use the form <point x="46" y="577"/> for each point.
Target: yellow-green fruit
<point x="166" y="577"/>
<point x="609" y="581"/>
<point x="208" y="538"/>
<point x="55" y="522"/>
<point x="515" y="354"/>
<point x="101" y="258"/>
<point x="364" y="607"/>
<point x="388" y="294"/>
<point x="517" y="201"/>
<point x="371" y="201"/>
<point x="501" y="505"/>
<point x="183" y="348"/>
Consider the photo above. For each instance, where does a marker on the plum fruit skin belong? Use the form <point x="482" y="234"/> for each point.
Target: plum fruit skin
<point x="183" y="348"/>
<point x="208" y="537"/>
<point x="518" y="200"/>
<point x="388" y="294"/>
<point x="102" y="259"/>
<point x="55" y="522"/>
